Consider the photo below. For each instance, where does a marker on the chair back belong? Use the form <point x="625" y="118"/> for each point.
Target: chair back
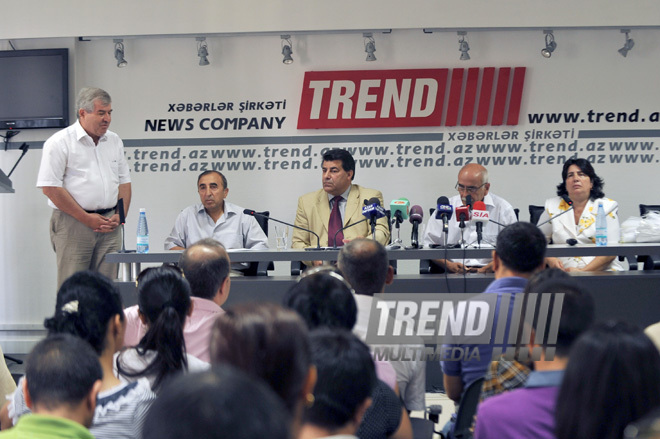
<point x="535" y="213"/>
<point x="646" y="208"/>
<point x="422" y="428"/>
<point x="263" y="222"/>
<point x="466" y="410"/>
<point x="260" y="268"/>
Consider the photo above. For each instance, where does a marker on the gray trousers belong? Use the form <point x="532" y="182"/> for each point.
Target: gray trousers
<point x="77" y="247"/>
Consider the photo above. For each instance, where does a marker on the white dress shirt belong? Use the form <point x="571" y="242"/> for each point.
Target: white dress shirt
<point x="499" y="210"/>
<point x="90" y="173"/>
<point x="234" y="229"/>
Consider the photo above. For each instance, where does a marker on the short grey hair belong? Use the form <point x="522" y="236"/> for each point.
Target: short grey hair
<point x="88" y="95"/>
<point x="484" y="176"/>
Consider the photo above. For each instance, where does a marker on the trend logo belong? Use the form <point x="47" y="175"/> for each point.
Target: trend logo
<point x="411" y="98"/>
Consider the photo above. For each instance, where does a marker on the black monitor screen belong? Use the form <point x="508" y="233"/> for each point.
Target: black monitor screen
<point x="34" y="88"/>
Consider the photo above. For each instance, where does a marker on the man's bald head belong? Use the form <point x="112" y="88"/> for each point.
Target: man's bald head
<point x="205" y="265"/>
<point x="475" y="170"/>
<point x="473" y="180"/>
<point x="364" y="264"/>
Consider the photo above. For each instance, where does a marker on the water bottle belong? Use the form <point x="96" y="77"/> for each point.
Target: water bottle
<point x="601" y="226"/>
<point x="143" y="233"/>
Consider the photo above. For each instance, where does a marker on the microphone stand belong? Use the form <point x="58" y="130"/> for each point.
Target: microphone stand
<point x="461" y="223"/>
<point x="469" y="201"/>
<point x="123" y="239"/>
<point x="414" y="243"/>
<point x="15" y="360"/>
<point x="398" y="219"/>
<point x="24" y="147"/>
<point x="334" y="240"/>
<point x="122" y="222"/>
<point x="270" y="218"/>
<point x="554" y="217"/>
<point x="498" y="224"/>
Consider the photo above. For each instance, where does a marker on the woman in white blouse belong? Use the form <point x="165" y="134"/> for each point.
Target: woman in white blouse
<point x="585" y="190"/>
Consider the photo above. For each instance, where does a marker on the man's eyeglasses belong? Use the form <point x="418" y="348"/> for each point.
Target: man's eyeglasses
<point x="469" y="189"/>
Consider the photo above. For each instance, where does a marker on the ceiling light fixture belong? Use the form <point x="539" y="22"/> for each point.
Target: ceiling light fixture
<point x="119" y="53"/>
<point x="628" y="45"/>
<point x="463" y="45"/>
<point x="202" y="51"/>
<point x="369" y="46"/>
<point x="287" y="50"/>
<point x="550" y="44"/>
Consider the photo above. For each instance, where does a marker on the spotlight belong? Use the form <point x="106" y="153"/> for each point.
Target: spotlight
<point x="550" y="44"/>
<point x="119" y="53"/>
<point x="463" y="46"/>
<point x="287" y="51"/>
<point x="369" y="46"/>
<point x="628" y="45"/>
<point x="202" y="51"/>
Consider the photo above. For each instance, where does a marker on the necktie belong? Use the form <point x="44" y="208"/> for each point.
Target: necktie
<point x="335" y="224"/>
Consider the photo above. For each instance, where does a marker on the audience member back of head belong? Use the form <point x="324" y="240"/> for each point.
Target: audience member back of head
<point x="271" y="343"/>
<point x="217" y="404"/>
<point x="164" y="302"/>
<point x="611" y="380"/>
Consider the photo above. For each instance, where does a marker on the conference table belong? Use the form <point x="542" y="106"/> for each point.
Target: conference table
<point x="629" y="295"/>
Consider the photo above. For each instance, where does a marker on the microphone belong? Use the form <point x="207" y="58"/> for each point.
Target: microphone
<point x="122" y="221"/>
<point x="373" y="210"/>
<point x="568" y="201"/>
<point x="334" y="240"/>
<point x="462" y="214"/>
<point x="120" y="209"/>
<point x="399" y="210"/>
<point x="469" y="202"/>
<point x="416" y="217"/>
<point x="480" y="216"/>
<point x="270" y="218"/>
<point x="444" y="211"/>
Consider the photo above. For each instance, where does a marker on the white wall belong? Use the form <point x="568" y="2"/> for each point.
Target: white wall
<point x="585" y="73"/>
<point x="73" y="18"/>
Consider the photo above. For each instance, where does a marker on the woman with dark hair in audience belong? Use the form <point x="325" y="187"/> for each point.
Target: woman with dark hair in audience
<point x="271" y="343"/>
<point x="585" y="190"/>
<point x="163" y="304"/>
<point x="220" y="403"/>
<point x="346" y="381"/>
<point x="324" y="299"/>
<point x="612" y="379"/>
<point x="89" y="306"/>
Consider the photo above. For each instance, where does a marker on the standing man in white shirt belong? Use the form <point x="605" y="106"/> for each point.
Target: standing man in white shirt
<point x="472" y="181"/>
<point x="216" y="218"/>
<point x="84" y="173"/>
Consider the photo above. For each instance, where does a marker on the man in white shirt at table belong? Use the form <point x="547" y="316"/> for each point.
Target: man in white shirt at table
<point x="216" y="218"/>
<point x="473" y="182"/>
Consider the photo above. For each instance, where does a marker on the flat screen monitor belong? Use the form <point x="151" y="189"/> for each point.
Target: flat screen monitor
<point x="34" y="88"/>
